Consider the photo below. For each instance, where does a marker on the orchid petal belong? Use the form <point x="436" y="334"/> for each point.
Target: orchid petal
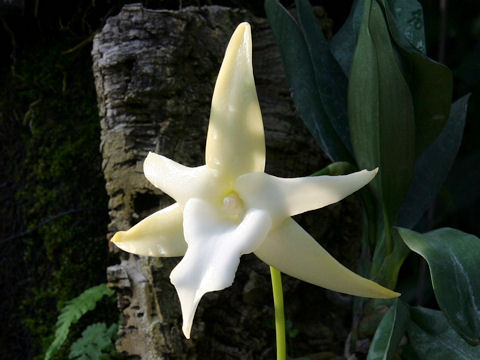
<point x="235" y="139"/>
<point x="183" y="182"/>
<point x="291" y="250"/>
<point x="287" y="197"/>
<point x="160" y="234"/>
<point x="215" y="245"/>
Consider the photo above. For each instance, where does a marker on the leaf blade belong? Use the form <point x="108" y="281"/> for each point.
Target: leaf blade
<point x="430" y="83"/>
<point x="408" y="15"/>
<point x="301" y="78"/>
<point x="433" y="339"/>
<point x="331" y="82"/>
<point x="432" y="167"/>
<point x="381" y="112"/>
<point x="345" y="40"/>
<point x="452" y="257"/>
<point x="389" y="332"/>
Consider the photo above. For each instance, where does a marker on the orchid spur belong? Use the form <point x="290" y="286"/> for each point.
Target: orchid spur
<point x="230" y="207"/>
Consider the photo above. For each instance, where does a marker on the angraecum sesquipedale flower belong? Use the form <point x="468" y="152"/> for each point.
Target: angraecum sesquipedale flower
<point x="230" y="206"/>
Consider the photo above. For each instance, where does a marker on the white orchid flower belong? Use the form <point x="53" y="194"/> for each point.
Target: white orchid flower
<point x="230" y="207"/>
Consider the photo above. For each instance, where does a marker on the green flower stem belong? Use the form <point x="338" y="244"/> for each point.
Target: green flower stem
<point x="279" y="313"/>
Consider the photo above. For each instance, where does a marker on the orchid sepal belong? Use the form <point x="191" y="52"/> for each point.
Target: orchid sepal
<point x="159" y="235"/>
<point x="235" y="138"/>
<point x="291" y="250"/>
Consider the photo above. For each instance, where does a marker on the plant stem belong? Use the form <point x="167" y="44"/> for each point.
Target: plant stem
<point x="279" y="313"/>
<point x="388" y="233"/>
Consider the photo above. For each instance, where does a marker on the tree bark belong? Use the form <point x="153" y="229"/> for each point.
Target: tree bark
<point x="154" y="73"/>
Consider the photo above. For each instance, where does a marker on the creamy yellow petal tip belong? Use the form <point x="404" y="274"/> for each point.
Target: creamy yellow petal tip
<point x="395" y="294"/>
<point x="242" y="27"/>
<point x="380" y="292"/>
<point x="119" y="240"/>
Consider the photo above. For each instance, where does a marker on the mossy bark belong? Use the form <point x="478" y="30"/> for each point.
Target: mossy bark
<point x="154" y="73"/>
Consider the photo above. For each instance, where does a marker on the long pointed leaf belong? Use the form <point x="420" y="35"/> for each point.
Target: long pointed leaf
<point x="331" y="82"/>
<point x="380" y="108"/>
<point x="345" y="40"/>
<point x="301" y="78"/>
<point x="433" y="166"/>
<point x="409" y="16"/>
<point x="389" y="332"/>
<point x="430" y="83"/>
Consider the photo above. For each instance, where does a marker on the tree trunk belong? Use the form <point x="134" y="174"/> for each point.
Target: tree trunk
<point x="154" y="73"/>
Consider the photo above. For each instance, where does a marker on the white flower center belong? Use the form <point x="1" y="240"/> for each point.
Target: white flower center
<point x="233" y="206"/>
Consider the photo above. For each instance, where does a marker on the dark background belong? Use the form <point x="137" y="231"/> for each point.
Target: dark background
<point x="53" y="206"/>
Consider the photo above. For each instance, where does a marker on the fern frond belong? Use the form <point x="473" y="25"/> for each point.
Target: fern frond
<point x="73" y="311"/>
<point x="96" y="343"/>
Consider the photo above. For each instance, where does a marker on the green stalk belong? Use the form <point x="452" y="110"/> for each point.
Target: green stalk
<point x="279" y="313"/>
<point x="388" y="238"/>
<point x="388" y="233"/>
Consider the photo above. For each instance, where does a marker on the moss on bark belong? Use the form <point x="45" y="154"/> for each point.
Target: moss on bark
<point x="60" y="190"/>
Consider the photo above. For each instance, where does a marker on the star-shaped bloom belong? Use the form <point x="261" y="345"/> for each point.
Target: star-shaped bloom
<point x="230" y="207"/>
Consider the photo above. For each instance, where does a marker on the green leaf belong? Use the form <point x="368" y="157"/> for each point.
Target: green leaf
<point x="96" y="343"/>
<point x="430" y="83"/>
<point x="452" y="257"/>
<point x="345" y="40"/>
<point x="301" y="78"/>
<point x="389" y="332"/>
<point x="330" y="80"/>
<point x="385" y="269"/>
<point x="408" y="16"/>
<point x="380" y="108"/>
<point x="432" y="167"/>
<point x="336" y="168"/>
<point x="73" y="311"/>
<point x="433" y="339"/>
